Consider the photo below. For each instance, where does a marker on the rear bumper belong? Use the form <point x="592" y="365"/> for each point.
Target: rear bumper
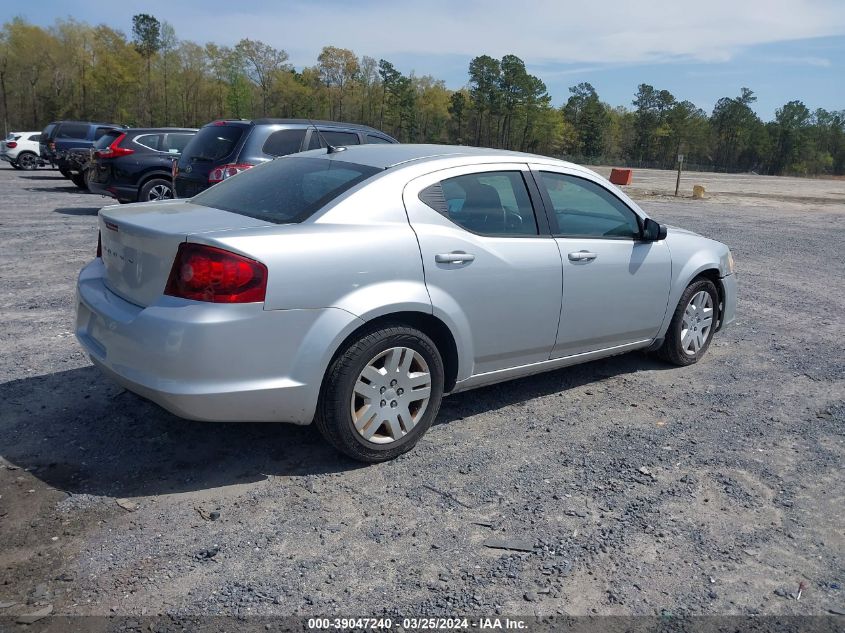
<point x="7" y="158"/>
<point x="120" y="192"/>
<point x="209" y="362"/>
<point x="729" y="293"/>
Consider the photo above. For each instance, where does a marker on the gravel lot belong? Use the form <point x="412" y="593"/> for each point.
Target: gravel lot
<point x="635" y="487"/>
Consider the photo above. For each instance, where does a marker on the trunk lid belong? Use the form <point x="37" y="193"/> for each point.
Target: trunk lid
<point x="139" y="242"/>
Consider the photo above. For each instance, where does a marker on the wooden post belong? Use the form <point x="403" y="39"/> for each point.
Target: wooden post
<point x="678" y="181"/>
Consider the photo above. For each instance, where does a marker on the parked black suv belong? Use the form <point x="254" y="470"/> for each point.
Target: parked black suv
<point x="223" y="148"/>
<point x="136" y="165"/>
<point x="60" y="138"/>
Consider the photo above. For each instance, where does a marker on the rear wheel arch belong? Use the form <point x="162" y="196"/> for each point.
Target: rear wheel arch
<point x="151" y="176"/>
<point x="428" y="324"/>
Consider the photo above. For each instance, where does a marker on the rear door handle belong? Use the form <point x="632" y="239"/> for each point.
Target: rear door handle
<point x="582" y="256"/>
<point x="456" y="257"/>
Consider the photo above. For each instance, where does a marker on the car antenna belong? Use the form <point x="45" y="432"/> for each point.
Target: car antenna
<point x="331" y="149"/>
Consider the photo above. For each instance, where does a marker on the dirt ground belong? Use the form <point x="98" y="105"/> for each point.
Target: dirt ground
<point x="633" y="487"/>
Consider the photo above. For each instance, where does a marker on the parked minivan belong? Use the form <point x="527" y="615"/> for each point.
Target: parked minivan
<point x="226" y="147"/>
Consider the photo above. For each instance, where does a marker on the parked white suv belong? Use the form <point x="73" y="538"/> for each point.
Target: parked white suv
<point x="20" y="149"/>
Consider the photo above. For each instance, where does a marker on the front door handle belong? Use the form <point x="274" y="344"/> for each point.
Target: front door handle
<point x="582" y="256"/>
<point x="455" y="257"/>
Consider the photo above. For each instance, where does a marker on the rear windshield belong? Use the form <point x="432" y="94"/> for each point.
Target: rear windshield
<point x="214" y="142"/>
<point x="285" y="190"/>
<point x="107" y="139"/>
<point x="48" y="131"/>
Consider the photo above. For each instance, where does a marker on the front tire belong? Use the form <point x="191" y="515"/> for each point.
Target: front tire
<point x="693" y="324"/>
<point x="381" y="394"/>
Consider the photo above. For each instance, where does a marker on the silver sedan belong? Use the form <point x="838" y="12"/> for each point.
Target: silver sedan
<point x="356" y="288"/>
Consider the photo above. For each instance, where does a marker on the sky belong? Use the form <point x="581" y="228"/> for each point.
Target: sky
<point x="699" y="51"/>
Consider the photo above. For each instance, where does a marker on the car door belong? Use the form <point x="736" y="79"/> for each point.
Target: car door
<point x="615" y="286"/>
<point x="491" y="267"/>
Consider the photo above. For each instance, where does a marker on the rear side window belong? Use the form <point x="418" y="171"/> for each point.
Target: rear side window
<point x="35" y="137"/>
<point x="372" y="139"/>
<point x="73" y="130"/>
<point x="214" y="142"/>
<point x="285" y="191"/>
<point x="284" y="142"/>
<point x="176" y="142"/>
<point x="488" y="203"/>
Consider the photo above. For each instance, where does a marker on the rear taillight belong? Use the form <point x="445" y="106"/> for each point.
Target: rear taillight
<point x="206" y="273"/>
<point x="226" y="171"/>
<point x="11" y="144"/>
<point x="99" y="244"/>
<point x="114" y="150"/>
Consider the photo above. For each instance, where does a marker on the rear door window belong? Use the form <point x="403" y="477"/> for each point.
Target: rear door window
<point x="285" y="191"/>
<point x="487" y="203"/>
<point x="73" y="130"/>
<point x="284" y="142"/>
<point x="214" y="142"/>
<point x="340" y="139"/>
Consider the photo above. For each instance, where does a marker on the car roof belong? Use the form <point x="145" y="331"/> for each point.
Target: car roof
<point x="384" y="156"/>
<point x="161" y="129"/>
<point x="305" y="122"/>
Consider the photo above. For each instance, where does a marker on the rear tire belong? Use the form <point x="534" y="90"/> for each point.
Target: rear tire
<point x="381" y="393"/>
<point x="27" y="161"/>
<point x="15" y="166"/>
<point x="65" y="173"/>
<point x="156" y="189"/>
<point x="693" y="324"/>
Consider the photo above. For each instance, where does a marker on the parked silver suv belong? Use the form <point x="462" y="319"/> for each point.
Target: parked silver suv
<point x="355" y="288"/>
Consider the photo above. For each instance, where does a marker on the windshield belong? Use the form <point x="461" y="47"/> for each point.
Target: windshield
<point x="285" y="190"/>
<point x="214" y="142"/>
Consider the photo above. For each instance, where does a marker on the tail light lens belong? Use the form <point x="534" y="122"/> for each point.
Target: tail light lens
<point x="206" y="273"/>
<point x="223" y="172"/>
<point x="11" y="144"/>
<point x="99" y="244"/>
<point x="114" y="150"/>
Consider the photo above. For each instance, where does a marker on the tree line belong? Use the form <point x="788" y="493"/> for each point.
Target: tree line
<point x="73" y="70"/>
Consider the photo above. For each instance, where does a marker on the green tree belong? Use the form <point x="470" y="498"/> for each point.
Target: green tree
<point x="146" y="34"/>
<point x="589" y="117"/>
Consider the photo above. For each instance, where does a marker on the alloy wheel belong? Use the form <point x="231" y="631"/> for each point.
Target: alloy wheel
<point x="696" y="323"/>
<point x="28" y="161"/>
<point x="391" y="395"/>
<point x="160" y="192"/>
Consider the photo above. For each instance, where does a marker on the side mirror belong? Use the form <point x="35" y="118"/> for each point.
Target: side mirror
<point x="652" y="231"/>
